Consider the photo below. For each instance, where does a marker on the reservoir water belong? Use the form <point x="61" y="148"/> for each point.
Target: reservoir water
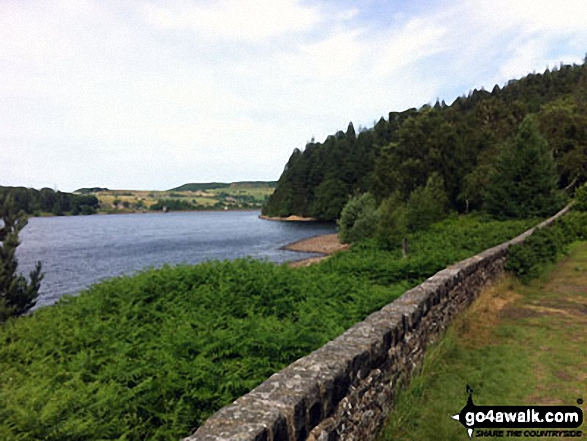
<point x="78" y="251"/>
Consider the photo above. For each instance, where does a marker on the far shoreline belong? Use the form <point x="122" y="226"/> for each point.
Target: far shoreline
<point x="105" y="213"/>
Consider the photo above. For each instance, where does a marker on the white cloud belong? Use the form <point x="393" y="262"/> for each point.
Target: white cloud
<point x="417" y="39"/>
<point x="251" y="20"/>
<point x="332" y="58"/>
<point x="562" y="16"/>
<point x="525" y="35"/>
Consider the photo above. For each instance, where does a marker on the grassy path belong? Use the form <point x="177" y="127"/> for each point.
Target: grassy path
<point x="518" y="344"/>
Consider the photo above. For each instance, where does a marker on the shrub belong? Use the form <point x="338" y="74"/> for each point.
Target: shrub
<point x="358" y="219"/>
<point x="581" y="198"/>
<point x="427" y="205"/>
<point x="528" y="259"/>
<point x="393" y="223"/>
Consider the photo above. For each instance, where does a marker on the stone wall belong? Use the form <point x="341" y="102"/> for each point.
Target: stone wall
<point x="345" y="389"/>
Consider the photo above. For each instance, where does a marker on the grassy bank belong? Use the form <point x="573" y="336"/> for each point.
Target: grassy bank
<point x="518" y="344"/>
<point x="151" y="356"/>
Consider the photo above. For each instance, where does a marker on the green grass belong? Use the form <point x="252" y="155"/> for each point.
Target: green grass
<point x="153" y="355"/>
<point x="518" y="344"/>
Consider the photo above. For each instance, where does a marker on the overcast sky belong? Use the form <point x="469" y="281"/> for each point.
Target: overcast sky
<point x="153" y="94"/>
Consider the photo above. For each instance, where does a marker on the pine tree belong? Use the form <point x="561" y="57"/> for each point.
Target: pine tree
<point x="16" y="294"/>
<point x="524" y="180"/>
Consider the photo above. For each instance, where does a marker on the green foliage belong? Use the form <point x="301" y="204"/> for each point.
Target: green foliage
<point x="393" y="222"/>
<point x="529" y="259"/>
<point x="87" y="209"/>
<point x="318" y="181"/>
<point x="458" y="142"/>
<point x="330" y="198"/>
<point x="17" y="295"/>
<point x="426" y="205"/>
<point x="32" y="201"/>
<point x="431" y="250"/>
<point x="172" y="204"/>
<point x="153" y="355"/>
<point x="581" y="198"/>
<point x="358" y="219"/>
<point x="564" y="125"/>
<point x="524" y="179"/>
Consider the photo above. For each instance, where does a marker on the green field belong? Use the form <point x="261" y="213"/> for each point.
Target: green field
<point x="204" y="196"/>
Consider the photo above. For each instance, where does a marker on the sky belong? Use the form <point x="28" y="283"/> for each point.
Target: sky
<point x="149" y="95"/>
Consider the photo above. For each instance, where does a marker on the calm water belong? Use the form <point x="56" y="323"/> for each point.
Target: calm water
<point x="79" y="251"/>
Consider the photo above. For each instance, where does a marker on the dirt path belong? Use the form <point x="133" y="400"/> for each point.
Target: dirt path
<point x="517" y="345"/>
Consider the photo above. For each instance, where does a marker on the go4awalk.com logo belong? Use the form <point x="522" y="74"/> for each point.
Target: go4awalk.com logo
<point x="520" y="421"/>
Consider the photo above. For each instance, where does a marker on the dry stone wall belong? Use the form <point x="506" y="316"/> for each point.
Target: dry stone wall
<point x="345" y="389"/>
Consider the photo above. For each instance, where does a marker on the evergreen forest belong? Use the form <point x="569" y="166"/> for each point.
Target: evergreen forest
<point x="458" y="150"/>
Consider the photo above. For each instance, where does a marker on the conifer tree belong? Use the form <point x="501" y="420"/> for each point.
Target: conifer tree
<point x="524" y="180"/>
<point x="17" y="295"/>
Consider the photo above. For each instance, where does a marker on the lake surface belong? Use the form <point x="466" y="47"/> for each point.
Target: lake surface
<point x="78" y="251"/>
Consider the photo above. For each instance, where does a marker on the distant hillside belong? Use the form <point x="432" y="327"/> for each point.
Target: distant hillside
<point x="90" y="190"/>
<point x="215" y="185"/>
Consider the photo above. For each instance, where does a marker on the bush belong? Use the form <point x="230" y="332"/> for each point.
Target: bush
<point x="358" y="219"/>
<point x="426" y="205"/>
<point x="581" y="198"/>
<point x="528" y="259"/>
<point x="393" y="223"/>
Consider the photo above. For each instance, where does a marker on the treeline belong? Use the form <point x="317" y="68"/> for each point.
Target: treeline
<point x="46" y="200"/>
<point x="90" y="190"/>
<point x="457" y="147"/>
<point x="202" y="186"/>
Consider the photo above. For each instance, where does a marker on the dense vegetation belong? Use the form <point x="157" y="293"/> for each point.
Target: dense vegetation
<point x="46" y="200"/>
<point x="466" y="147"/>
<point x="17" y="294"/>
<point x="527" y="260"/>
<point x="151" y="356"/>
